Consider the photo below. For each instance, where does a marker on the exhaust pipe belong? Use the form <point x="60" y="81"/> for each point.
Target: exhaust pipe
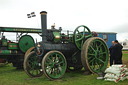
<point x="44" y="25"/>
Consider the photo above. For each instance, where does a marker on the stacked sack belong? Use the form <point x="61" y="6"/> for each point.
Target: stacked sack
<point x="116" y="73"/>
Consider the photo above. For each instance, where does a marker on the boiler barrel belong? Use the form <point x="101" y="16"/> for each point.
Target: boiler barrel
<point x="68" y="49"/>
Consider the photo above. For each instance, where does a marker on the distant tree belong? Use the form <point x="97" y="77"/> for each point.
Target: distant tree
<point x="124" y="43"/>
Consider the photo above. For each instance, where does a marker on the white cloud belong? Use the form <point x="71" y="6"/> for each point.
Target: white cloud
<point x="98" y="15"/>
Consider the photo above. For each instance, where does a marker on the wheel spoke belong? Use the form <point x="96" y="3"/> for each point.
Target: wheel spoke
<point x="79" y="33"/>
<point x="91" y="65"/>
<point x="56" y="59"/>
<point x="79" y="39"/>
<point x="102" y="53"/>
<point x="91" y="54"/>
<point x="97" y="66"/>
<point x="48" y="69"/>
<point x="84" y="32"/>
<point x="96" y="46"/>
<point x="61" y="62"/>
<point x="59" y="69"/>
<point x="88" y="36"/>
<point x="99" y="45"/>
<point x="92" y="48"/>
<point x="101" y="61"/>
<point x="82" y="43"/>
<point x="51" y="61"/>
<point x="91" y="60"/>
<point x="48" y="63"/>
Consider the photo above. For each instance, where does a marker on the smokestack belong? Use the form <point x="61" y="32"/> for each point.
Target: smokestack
<point x="44" y="25"/>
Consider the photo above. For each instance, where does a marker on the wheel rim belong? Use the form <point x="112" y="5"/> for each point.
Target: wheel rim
<point x="54" y="65"/>
<point x="81" y="33"/>
<point x="95" y="55"/>
<point x="32" y="65"/>
<point x="28" y="51"/>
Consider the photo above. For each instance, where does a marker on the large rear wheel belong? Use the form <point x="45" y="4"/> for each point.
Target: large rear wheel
<point x="94" y="55"/>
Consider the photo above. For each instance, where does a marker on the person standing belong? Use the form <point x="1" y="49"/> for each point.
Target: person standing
<point x="112" y="53"/>
<point x="118" y="52"/>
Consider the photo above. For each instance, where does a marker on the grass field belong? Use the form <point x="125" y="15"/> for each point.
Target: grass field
<point x="10" y="76"/>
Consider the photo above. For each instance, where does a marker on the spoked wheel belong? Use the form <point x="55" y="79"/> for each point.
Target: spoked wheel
<point x="32" y="65"/>
<point x="54" y="65"/>
<point x="94" y="55"/>
<point x="81" y="33"/>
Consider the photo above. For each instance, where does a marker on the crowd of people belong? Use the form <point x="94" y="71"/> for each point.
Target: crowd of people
<point x="115" y="53"/>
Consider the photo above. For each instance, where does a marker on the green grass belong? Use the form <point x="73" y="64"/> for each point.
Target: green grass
<point x="10" y="76"/>
<point x="125" y="55"/>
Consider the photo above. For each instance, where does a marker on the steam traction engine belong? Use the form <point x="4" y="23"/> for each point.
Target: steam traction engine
<point x="13" y="51"/>
<point x="58" y="51"/>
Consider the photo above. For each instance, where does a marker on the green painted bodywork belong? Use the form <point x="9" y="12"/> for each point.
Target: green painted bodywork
<point x="5" y="52"/>
<point x="13" y="46"/>
<point x="70" y="38"/>
<point x="4" y="42"/>
<point x="56" y="36"/>
<point x="25" y="30"/>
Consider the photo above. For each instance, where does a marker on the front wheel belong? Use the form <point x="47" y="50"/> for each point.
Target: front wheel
<point x="54" y="65"/>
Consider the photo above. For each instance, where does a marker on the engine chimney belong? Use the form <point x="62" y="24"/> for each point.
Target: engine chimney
<point x="44" y="25"/>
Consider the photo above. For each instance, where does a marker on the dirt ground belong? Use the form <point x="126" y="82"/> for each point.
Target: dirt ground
<point x="125" y="62"/>
<point x="125" y="52"/>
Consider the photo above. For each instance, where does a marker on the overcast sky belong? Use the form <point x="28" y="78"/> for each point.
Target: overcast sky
<point x="98" y="15"/>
